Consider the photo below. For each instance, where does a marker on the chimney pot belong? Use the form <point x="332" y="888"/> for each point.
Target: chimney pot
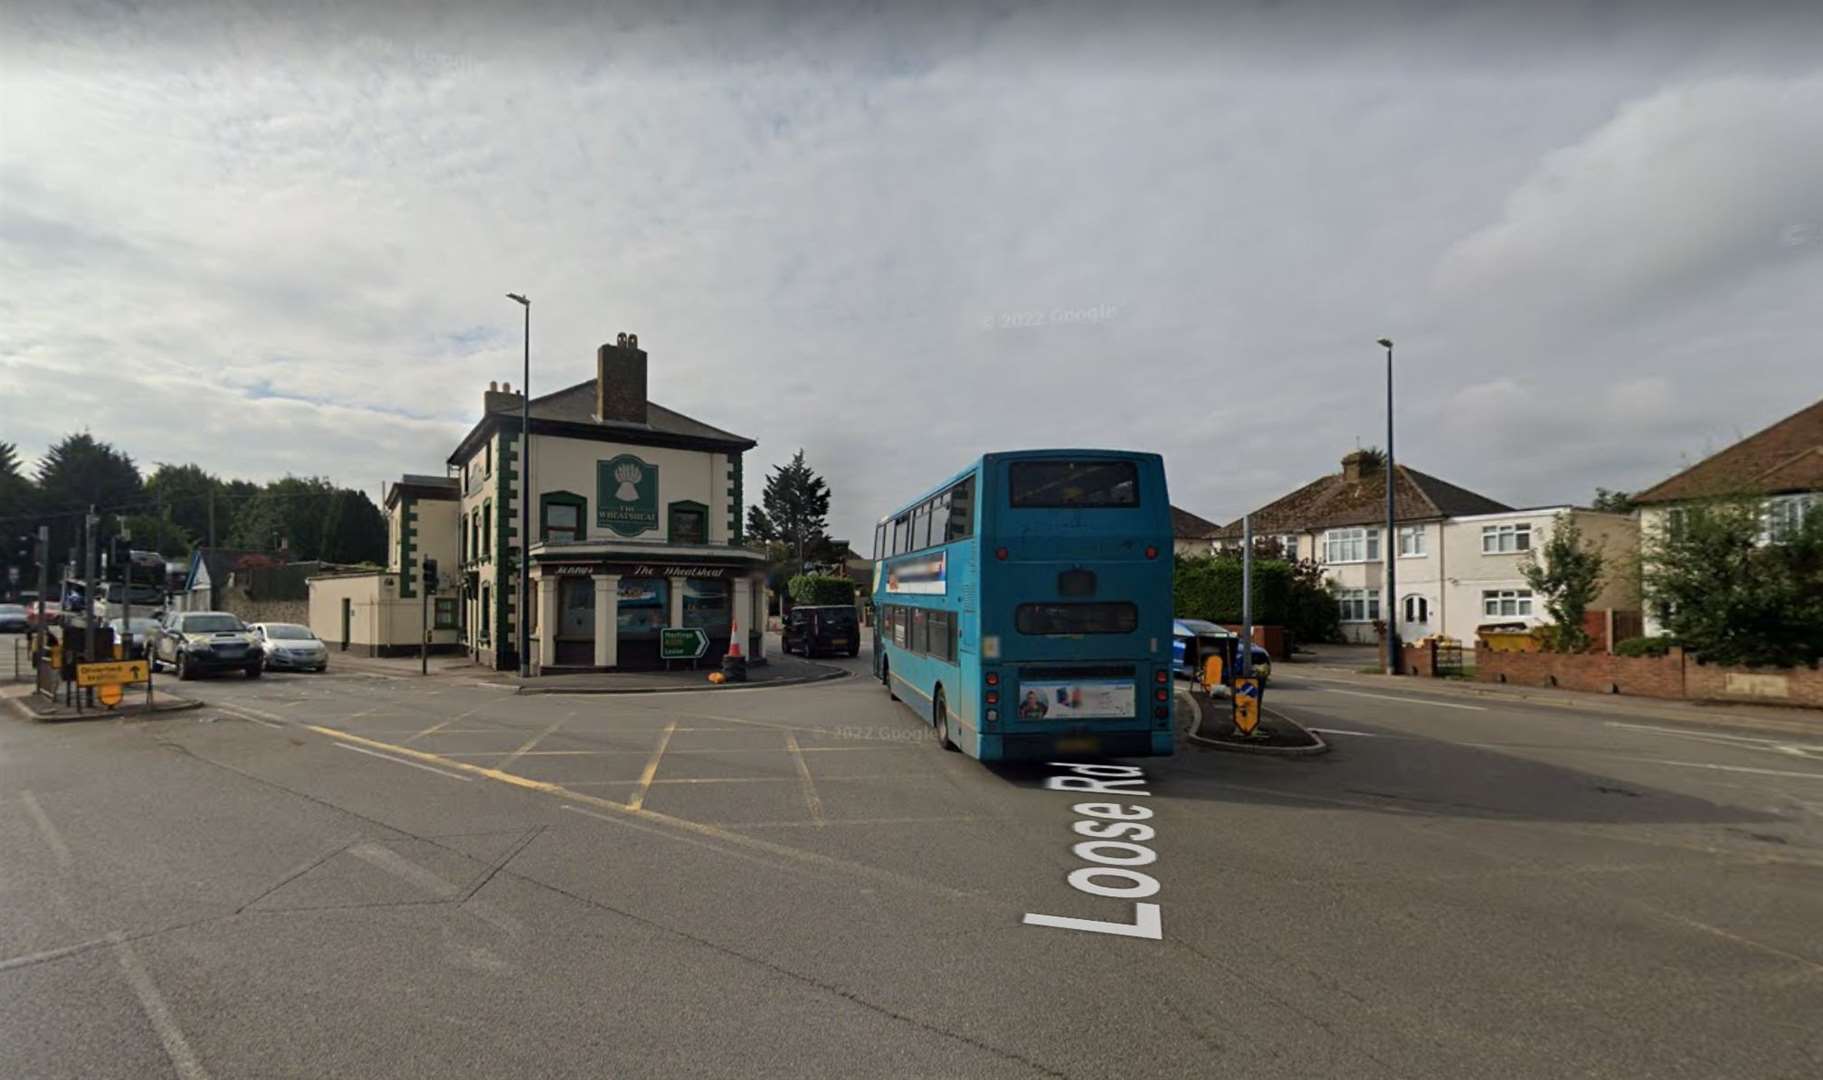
<point x="493" y="386"/>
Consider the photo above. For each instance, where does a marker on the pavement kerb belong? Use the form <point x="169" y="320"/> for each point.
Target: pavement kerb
<point x="26" y="712"/>
<point x="767" y="684"/>
<point x="1716" y="713"/>
<point x="1318" y="746"/>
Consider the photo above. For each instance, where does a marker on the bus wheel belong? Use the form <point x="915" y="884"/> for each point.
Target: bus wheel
<point x="886" y="676"/>
<point x="940" y="711"/>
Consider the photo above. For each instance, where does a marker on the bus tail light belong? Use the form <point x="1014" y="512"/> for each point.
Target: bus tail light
<point x="1151" y="552"/>
<point x="1157" y="676"/>
<point x="1161" y="694"/>
<point x="993" y="697"/>
<point x="993" y="716"/>
<point x="1160" y="712"/>
<point x="1000" y="553"/>
<point x="993" y="678"/>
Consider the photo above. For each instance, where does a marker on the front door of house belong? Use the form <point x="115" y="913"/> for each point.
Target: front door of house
<point x="576" y="621"/>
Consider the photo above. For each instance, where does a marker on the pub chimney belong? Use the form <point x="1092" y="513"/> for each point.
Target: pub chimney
<point x="620" y="381"/>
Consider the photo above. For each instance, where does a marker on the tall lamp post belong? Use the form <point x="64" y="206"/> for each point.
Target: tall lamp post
<point x="525" y="492"/>
<point x="1391" y="608"/>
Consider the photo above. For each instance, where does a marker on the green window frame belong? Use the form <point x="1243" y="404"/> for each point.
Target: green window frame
<point x="700" y="514"/>
<point x="562" y="498"/>
<point x="446" y="613"/>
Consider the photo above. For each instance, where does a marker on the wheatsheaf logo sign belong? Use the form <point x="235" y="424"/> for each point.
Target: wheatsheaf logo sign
<point x="626" y="495"/>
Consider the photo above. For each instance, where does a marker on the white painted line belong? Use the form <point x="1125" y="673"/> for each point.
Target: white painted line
<point x="51" y="954"/>
<point x="152" y="1003"/>
<point x="1727" y="768"/>
<point x="402" y="761"/>
<point x="398" y="865"/>
<point x="59" y="850"/>
<point x="1407" y="700"/>
<point x="245" y="712"/>
<point x="1339" y="731"/>
<point x="1782" y="746"/>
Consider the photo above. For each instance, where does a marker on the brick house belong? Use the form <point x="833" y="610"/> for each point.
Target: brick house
<point x="1782" y="466"/>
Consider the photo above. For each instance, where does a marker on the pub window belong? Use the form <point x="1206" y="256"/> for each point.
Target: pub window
<point x="689" y="523"/>
<point x="707" y="604"/>
<point x="920" y="635"/>
<point x="486" y="595"/>
<point x="446" y="613"/>
<point x="560" y="521"/>
<point x="961" y="523"/>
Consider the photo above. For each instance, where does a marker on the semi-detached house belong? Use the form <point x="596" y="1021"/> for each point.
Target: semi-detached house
<point x="1458" y="557"/>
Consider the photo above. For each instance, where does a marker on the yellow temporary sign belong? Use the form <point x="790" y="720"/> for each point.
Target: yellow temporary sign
<point x="113" y="672"/>
<point x="1246" y="704"/>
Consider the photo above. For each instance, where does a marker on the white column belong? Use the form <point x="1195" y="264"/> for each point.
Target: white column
<point x="545" y="592"/>
<point x="677" y="602"/>
<point x="607" y="620"/>
<point x="743" y="614"/>
<point x="756" y="589"/>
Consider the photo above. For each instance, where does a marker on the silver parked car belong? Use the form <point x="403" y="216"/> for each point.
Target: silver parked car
<point x="290" y="647"/>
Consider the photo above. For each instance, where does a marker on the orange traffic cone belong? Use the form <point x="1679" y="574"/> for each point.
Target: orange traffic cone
<point x="734" y="664"/>
<point x="734" y="637"/>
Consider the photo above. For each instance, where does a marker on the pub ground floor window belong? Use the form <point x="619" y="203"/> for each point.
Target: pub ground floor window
<point x="645" y="608"/>
<point x="709" y="603"/>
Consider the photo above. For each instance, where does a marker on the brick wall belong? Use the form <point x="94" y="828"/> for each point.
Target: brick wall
<point x="1419" y="660"/>
<point x="1673" y="675"/>
<point x="1273" y="639"/>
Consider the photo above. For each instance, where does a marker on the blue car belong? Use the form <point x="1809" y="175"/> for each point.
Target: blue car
<point x="1183" y="631"/>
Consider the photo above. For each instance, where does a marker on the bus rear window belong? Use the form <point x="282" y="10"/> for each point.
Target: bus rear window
<point x="1053" y="484"/>
<point x="1105" y="617"/>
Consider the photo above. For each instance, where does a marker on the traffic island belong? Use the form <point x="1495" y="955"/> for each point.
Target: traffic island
<point x="776" y="671"/>
<point x="1211" y="724"/>
<point x="31" y="705"/>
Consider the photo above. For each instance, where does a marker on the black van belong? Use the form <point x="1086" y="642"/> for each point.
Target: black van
<point x="827" y="629"/>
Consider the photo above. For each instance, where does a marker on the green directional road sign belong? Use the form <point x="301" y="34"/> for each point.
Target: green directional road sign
<point x="682" y="643"/>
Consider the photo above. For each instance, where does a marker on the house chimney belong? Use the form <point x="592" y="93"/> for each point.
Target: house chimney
<point x="1357" y="464"/>
<point x="620" y="381"/>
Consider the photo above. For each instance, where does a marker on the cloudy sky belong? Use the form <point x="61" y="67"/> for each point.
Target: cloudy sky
<point x="276" y="239"/>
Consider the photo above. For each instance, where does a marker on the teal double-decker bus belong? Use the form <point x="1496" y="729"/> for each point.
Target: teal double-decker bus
<point x="1023" y="606"/>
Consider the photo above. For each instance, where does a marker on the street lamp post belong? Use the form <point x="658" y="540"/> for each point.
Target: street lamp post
<point x="1390" y="610"/>
<point x="525" y="488"/>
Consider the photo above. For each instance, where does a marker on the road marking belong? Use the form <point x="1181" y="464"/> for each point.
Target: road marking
<point x="1339" y="731"/>
<point x="651" y="769"/>
<point x="434" y="728"/>
<point x="59" y="850"/>
<point x="247" y="712"/>
<point x="152" y="1003"/>
<point x="399" y="866"/>
<point x="52" y="954"/>
<point x="1726" y="768"/>
<point x="397" y="761"/>
<point x="1105" y="823"/>
<point x="1408" y="700"/>
<point x="813" y="858"/>
<point x="811" y="800"/>
<point x="1745" y="742"/>
<point x="531" y="742"/>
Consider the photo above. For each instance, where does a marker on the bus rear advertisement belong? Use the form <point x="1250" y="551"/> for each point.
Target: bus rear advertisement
<point x="1024" y="606"/>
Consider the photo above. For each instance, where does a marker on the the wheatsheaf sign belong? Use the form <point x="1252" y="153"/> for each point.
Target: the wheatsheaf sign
<point x="626" y="495"/>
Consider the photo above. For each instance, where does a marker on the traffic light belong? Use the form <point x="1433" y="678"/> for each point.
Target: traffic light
<point x="23" y="550"/>
<point x="430" y="575"/>
<point x="120" y="553"/>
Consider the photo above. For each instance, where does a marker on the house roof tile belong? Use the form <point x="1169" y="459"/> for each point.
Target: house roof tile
<point x="1788" y="456"/>
<point x="1334" y="500"/>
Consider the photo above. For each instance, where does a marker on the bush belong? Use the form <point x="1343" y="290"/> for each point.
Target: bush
<point x="1729" y="595"/>
<point x="1644" y="646"/>
<point x="1292" y="595"/>
<point x="821" y="589"/>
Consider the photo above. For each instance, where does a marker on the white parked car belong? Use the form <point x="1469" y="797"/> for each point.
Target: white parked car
<point x="290" y="647"/>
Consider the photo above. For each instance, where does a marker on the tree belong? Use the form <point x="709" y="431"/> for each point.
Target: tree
<point x="796" y="504"/>
<point x="288" y="514"/>
<point x="1732" y="594"/>
<point x="1612" y="501"/>
<point x="1568" y="578"/>
<point x="355" y="530"/>
<point x="185" y="491"/>
<point x="153" y="533"/>
<point x="79" y="472"/>
<point x="760" y="529"/>
<point x="15" y="488"/>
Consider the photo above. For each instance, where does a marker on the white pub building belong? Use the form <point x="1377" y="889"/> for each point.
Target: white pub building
<point x="636" y="526"/>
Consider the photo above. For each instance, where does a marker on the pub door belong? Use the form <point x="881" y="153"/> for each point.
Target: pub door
<point x="576" y="622"/>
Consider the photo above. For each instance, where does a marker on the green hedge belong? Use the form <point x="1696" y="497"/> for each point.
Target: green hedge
<point x="821" y="589"/>
<point x="1644" y="646"/>
<point x="1284" y="594"/>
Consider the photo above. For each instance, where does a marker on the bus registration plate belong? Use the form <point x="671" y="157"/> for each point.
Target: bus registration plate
<point x="1075" y="700"/>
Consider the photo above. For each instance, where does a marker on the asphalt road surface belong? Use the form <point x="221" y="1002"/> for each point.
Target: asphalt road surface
<point x="353" y="875"/>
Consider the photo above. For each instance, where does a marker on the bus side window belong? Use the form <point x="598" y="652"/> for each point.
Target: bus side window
<point x="961" y="516"/>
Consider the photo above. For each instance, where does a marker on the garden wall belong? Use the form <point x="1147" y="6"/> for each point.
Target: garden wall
<point x="1674" y="675"/>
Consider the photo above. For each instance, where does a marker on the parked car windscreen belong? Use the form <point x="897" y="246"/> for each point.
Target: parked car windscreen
<point x="12" y="609"/>
<point x="209" y="624"/>
<point x="289" y="632"/>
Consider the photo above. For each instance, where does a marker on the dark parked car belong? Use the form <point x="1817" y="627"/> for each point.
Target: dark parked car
<point x="814" y="629"/>
<point x="194" y="642"/>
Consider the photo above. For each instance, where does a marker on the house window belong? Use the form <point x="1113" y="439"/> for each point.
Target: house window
<point x="487" y="450"/>
<point x="1288" y="545"/>
<point x="689" y="523"/>
<point x="1351" y="545"/>
<point x="1359" y="605"/>
<point x="486" y="595"/>
<point x="1411" y="541"/>
<point x="487" y="529"/>
<point x="1417" y="609"/>
<point x="1503" y="539"/>
<point x="561" y="520"/>
<point x="1784" y="516"/>
<point x="1506" y="603"/>
<point x="446" y="613"/>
